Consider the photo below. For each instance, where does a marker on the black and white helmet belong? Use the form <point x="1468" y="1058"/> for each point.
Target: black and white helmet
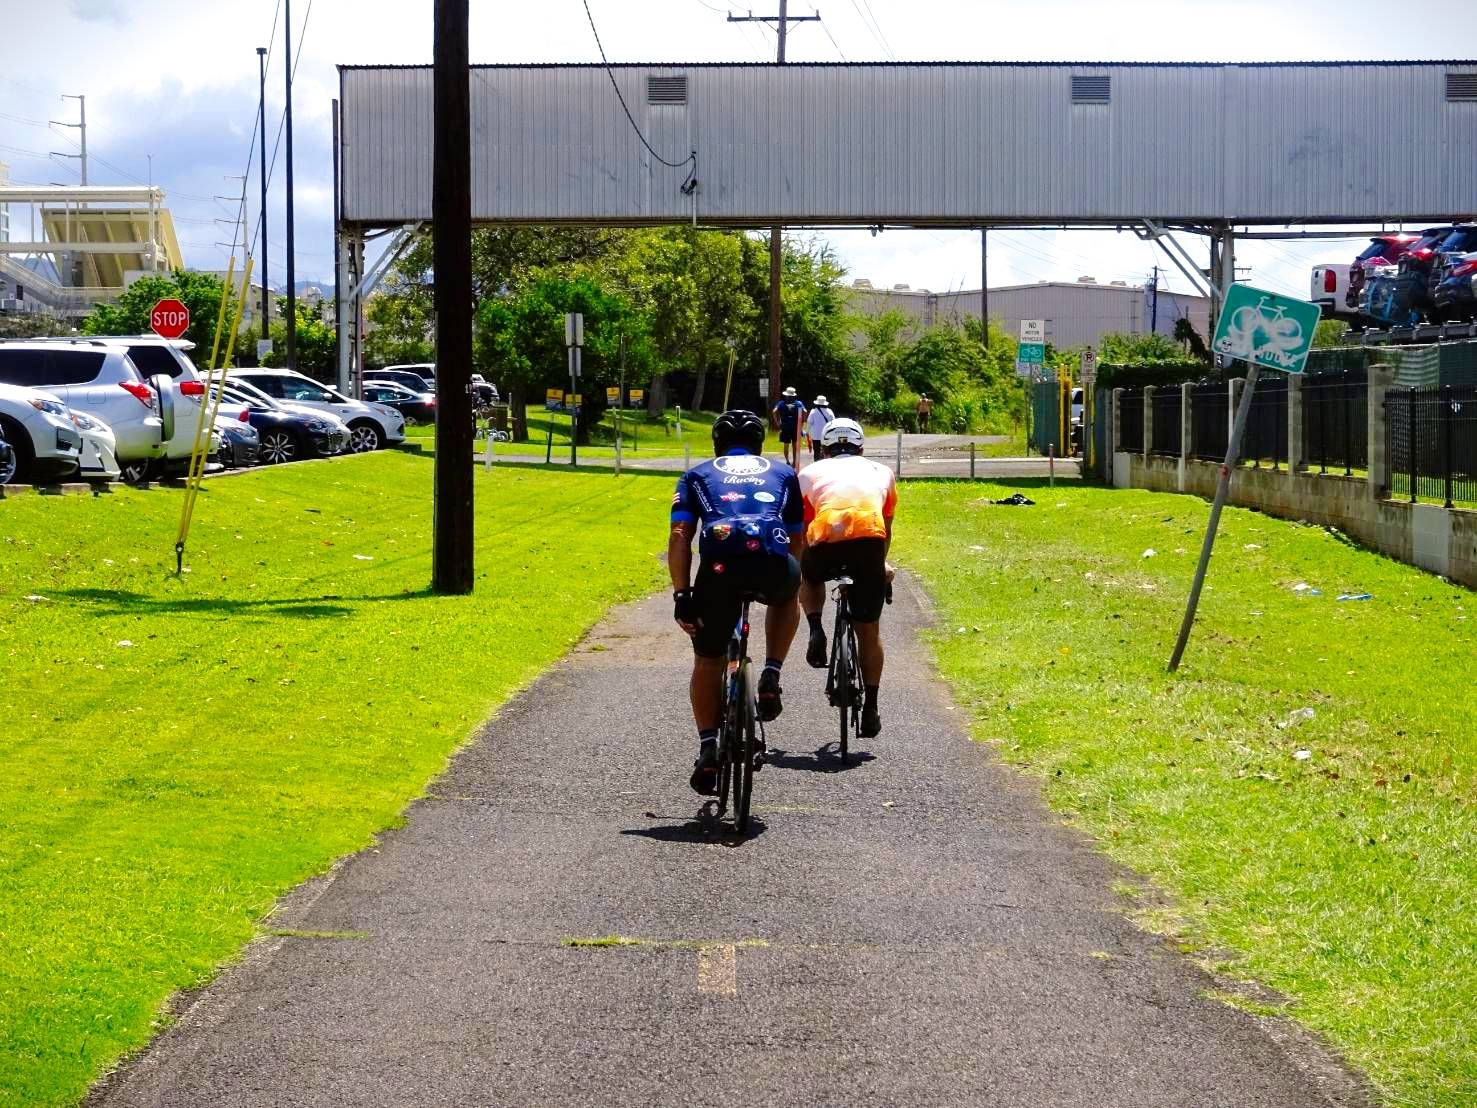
<point x="738" y="427"/>
<point x="842" y="433"/>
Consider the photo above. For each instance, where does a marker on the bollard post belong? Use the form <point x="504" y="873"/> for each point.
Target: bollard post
<point x="1051" y="464"/>
<point x="899" y="451"/>
<point x="617" y="453"/>
<point x="549" y="446"/>
<point x="686" y="456"/>
<point x="971" y="459"/>
<point x="487" y="460"/>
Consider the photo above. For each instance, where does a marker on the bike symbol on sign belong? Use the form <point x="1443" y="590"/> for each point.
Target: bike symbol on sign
<point x="1263" y="334"/>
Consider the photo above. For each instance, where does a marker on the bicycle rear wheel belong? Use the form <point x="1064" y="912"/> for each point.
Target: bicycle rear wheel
<point x="726" y="741"/>
<point x="841" y="663"/>
<point x="743" y="753"/>
<point x="853" y="682"/>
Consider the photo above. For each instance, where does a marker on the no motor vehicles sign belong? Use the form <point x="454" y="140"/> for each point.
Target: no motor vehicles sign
<point x="170" y="318"/>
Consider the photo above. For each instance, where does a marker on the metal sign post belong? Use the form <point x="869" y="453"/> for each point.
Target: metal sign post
<point x="1089" y="412"/>
<point x="1262" y="329"/>
<point x="574" y="339"/>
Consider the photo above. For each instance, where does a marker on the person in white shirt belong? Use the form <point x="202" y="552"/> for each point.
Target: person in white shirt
<point x="820" y="415"/>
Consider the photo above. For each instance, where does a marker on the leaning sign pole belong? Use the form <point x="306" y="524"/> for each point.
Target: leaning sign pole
<point x="451" y="205"/>
<point x="1262" y="329"/>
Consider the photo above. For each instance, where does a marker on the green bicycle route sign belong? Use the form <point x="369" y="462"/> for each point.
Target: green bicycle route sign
<point x="1272" y="331"/>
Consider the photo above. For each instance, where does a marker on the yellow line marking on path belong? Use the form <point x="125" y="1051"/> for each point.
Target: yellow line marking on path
<point x="717" y="970"/>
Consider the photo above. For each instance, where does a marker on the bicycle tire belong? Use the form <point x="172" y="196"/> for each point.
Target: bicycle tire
<point x="841" y="678"/>
<point x="854" y="681"/>
<point x="743" y="754"/>
<point x="725" y="746"/>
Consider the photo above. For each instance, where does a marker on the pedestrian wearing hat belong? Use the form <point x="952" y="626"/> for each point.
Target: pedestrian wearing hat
<point x="787" y="417"/>
<point x="820" y="415"/>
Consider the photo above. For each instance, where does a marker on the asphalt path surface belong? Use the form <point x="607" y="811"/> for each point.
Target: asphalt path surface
<point x="913" y="930"/>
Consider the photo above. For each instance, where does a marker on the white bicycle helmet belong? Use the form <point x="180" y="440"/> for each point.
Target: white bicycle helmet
<point x="842" y="432"/>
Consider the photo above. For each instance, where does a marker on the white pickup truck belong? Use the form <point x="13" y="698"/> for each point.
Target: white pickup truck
<point x="1329" y="284"/>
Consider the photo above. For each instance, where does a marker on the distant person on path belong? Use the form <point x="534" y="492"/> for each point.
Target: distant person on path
<point x="786" y="418"/>
<point x="849" y="504"/>
<point x="747" y="513"/>
<point x="815" y="423"/>
<point x="925" y="409"/>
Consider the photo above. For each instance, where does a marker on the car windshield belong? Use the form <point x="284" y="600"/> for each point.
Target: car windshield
<point x="243" y="393"/>
<point x="1376" y="249"/>
<point x="298" y="390"/>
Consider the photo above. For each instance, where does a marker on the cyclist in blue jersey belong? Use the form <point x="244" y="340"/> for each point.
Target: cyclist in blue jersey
<point x="788" y="415"/>
<point x="749" y="520"/>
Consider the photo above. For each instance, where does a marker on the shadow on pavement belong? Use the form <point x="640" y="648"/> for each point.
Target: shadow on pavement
<point x="824" y="759"/>
<point x="701" y="830"/>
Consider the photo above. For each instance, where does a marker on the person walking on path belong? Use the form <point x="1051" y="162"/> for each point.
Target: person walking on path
<point x="749" y="518"/>
<point x="815" y="423"/>
<point x="786" y="417"/>
<point x="925" y="409"/>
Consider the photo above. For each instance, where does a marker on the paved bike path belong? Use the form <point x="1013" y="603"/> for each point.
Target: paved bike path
<point x="913" y="930"/>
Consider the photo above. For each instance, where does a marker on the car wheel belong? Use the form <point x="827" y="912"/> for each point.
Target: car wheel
<point x="140" y="470"/>
<point x="365" y="437"/>
<point x="18" y="470"/>
<point x="277" y="447"/>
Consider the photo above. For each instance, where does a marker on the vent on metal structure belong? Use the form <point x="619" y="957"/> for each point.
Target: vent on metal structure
<point x="1091" y="90"/>
<point x="666" y="90"/>
<point x="1461" y="86"/>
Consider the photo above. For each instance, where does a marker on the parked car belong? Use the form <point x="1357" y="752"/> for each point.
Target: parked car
<point x="240" y="442"/>
<point x="99" y="459"/>
<point x="413" y="381"/>
<point x="44" y="443"/>
<point x="7" y="462"/>
<point x="1382" y="250"/>
<point x="1456" y="295"/>
<point x="372" y="426"/>
<point x="101" y="379"/>
<point x="288" y="435"/>
<point x="426" y="371"/>
<point x="1330" y="284"/>
<point x="1449" y="253"/>
<point x="416" y="407"/>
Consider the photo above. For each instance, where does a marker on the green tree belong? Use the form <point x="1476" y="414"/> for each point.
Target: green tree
<point x="317" y="346"/>
<point x="200" y="293"/>
<point x="1329" y="332"/>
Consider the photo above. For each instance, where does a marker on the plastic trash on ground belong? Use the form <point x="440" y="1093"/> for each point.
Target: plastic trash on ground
<point x="1357" y="596"/>
<point x="1302" y="715"/>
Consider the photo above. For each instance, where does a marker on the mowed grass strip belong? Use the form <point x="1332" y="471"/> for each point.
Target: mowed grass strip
<point x="1333" y="858"/>
<point x="177" y="753"/>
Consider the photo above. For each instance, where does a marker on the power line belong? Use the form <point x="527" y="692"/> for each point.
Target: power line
<point x="885" y="44"/>
<point x="832" y="37"/>
<point x="876" y="32"/>
<point x="691" y="159"/>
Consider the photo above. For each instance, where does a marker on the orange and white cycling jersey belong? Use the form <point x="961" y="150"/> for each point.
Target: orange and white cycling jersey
<point x="847" y="497"/>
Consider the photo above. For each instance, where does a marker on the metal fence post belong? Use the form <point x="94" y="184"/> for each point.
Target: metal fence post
<point x="1446" y="422"/>
<point x="899" y="451"/>
<point x="1148" y="443"/>
<point x="1412" y="445"/>
<point x="1297" y="448"/>
<point x="1347" y="394"/>
<point x="971" y="459"/>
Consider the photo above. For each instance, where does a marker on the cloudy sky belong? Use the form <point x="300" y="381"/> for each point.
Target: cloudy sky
<point x="177" y="80"/>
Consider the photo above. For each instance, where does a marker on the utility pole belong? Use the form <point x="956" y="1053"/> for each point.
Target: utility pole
<point x="782" y="23"/>
<point x="1154" y="304"/>
<point x="984" y="288"/>
<point x="261" y="67"/>
<point x="81" y="125"/>
<point x="291" y="244"/>
<point x="451" y="213"/>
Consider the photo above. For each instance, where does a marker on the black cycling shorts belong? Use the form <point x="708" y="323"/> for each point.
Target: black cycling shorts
<point x="717" y="595"/>
<point x="863" y="560"/>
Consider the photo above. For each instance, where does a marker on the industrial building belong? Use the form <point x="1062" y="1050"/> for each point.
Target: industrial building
<point x="1077" y="313"/>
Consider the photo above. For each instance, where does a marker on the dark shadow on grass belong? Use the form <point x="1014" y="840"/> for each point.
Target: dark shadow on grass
<point x="825" y="759"/>
<point x="121" y="602"/>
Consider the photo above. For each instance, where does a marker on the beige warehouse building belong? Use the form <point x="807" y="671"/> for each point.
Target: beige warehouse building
<point x="1077" y="313"/>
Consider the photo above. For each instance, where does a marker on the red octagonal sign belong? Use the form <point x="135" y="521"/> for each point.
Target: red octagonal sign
<point x="170" y="318"/>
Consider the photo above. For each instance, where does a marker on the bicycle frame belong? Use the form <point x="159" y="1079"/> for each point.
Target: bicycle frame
<point x="740" y="719"/>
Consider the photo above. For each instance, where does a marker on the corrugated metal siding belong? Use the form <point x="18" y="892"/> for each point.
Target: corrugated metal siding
<point x="927" y="143"/>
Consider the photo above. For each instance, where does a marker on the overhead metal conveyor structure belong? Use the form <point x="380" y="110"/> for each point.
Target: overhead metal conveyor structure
<point x="1157" y="148"/>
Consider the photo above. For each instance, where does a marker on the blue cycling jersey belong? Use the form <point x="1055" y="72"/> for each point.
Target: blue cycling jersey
<point x="743" y="504"/>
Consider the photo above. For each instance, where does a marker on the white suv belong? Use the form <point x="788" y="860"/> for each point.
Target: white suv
<point x="45" y="444"/>
<point x="371" y="426"/>
<point x="101" y="380"/>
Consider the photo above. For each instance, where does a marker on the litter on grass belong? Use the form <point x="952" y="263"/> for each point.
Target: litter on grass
<point x="1150" y="552"/>
<point x="1357" y="596"/>
<point x="1016" y="500"/>
<point x="1302" y="755"/>
<point x="1305" y="589"/>
<point x="363" y="557"/>
<point x="1300" y="716"/>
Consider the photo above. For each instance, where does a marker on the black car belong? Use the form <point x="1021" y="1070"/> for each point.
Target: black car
<point x="416" y="407"/>
<point x="1456" y="295"/>
<point x="412" y="381"/>
<point x="240" y="444"/>
<point x="287" y="436"/>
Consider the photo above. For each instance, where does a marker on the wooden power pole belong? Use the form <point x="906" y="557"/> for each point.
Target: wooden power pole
<point x="451" y="213"/>
<point x="782" y="22"/>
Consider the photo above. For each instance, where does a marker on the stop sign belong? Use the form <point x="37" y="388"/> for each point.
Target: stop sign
<point x="170" y="318"/>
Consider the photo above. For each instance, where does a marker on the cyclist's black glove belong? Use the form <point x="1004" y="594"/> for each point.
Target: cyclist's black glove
<point x="683" y="609"/>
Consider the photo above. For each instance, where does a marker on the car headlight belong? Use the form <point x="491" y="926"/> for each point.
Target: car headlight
<point x="52" y="407"/>
<point x="86" y="423"/>
<point x="321" y="426"/>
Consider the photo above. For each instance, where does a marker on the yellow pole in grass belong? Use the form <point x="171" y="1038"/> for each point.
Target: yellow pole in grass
<point x="199" y="449"/>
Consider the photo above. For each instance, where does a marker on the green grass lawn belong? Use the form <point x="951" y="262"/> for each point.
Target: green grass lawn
<point x="1332" y="858"/>
<point x="180" y="752"/>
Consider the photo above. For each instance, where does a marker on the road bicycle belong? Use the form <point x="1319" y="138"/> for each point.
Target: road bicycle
<point x="844" y="673"/>
<point x="740" y="737"/>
